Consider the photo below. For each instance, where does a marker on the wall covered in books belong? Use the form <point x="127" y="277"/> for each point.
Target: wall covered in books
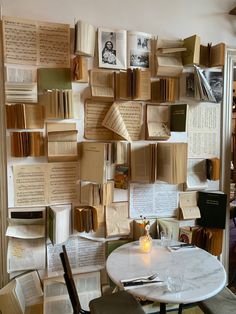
<point x="107" y="125"/>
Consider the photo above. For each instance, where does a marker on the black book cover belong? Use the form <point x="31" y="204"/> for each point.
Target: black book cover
<point x="178" y="115"/>
<point x="212" y="206"/>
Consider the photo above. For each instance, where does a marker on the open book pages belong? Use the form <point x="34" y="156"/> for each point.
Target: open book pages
<point x="20" y="294"/>
<point x="56" y="298"/>
<point x="125" y="119"/>
<point x="188" y="205"/>
<point x="121" y="49"/>
<point x="165" y="89"/>
<point x="117" y="221"/>
<point x="85" y="34"/>
<point x="101" y="84"/>
<point x="157" y="122"/>
<point x="59" y="220"/>
<point x="85" y="219"/>
<point x="24" y="116"/>
<point x="212" y="56"/>
<point x="169" y="65"/>
<point x="133" y="84"/>
<point x="25" y="144"/>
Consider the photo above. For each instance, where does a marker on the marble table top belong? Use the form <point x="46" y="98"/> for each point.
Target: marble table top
<point x="203" y="274"/>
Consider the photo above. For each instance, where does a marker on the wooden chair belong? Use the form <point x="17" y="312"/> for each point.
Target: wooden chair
<point x="115" y="303"/>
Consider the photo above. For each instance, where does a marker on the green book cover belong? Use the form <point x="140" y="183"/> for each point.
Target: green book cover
<point x="178" y="116"/>
<point x="54" y="78"/>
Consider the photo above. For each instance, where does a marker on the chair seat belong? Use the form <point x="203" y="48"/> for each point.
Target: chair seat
<point x="222" y="303"/>
<point x="116" y="303"/>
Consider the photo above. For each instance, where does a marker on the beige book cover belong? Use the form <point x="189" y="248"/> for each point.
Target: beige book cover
<point x="192" y="54"/>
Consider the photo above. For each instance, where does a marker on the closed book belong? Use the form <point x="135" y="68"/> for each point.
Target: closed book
<point x="212" y="206"/>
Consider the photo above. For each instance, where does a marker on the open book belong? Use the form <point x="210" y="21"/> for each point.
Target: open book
<point x="59" y="217"/>
<point x="165" y="89"/>
<point x="212" y="56"/>
<point x="192" y="54"/>
<point x="101" y="84"/>
<point x="25" y="144"/>
<point x="21" y="294"/>
<point x="121" y="49"/>
<point x="133" y="84"/>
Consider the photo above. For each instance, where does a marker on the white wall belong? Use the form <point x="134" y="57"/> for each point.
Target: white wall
<point x="165" y="18"/>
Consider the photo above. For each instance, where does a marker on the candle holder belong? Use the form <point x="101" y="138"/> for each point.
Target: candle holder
<point x="145" y="241"/>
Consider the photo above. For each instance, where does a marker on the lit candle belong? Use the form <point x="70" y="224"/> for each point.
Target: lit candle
<point x="145" y="242"/>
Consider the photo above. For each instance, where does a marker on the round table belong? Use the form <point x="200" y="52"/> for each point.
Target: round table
<point x="203" y="274"/>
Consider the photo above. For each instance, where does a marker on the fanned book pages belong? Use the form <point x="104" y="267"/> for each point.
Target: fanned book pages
<point x="25" y="116"/>
<point x="212" y="56"/>
<point x="25" y="144"/>
<point x="133" y="84"/>
<point x="169" y="65"/>
<point x="165" y="89"/>
<point x="122" y="49"/>
<point x="125" y="119"/>
<point x="85" y="34"/>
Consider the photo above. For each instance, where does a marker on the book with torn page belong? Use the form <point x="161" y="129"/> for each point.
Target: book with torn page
<point x="133" y="84"/>
<point x="122" y="49"/>
<point x="125" y="119"/>
<point x="85" y="35"/>
<point x="157" y="122"/>
<point x="59" y="218"/>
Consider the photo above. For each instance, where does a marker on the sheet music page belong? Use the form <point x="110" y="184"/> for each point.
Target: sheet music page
<point x="30" y="184"/>
<point x="62" y="178"/>
<point x="84" y="255"/>
<point x="114" y="122"/>
<point x="93" y="116"/>
<point x="125" y="119"/>
<point x="117" y="222"/>
<point x="25" y="254"/>
<point x="131" y="113"/>
<point x="152" y="200"/>
<point x="53" y="44"/>
<point x="36" y="43"/>
<point x="204" y="130"/>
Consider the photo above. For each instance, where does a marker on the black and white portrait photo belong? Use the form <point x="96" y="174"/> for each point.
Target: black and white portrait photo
<point x="108" y="51"/>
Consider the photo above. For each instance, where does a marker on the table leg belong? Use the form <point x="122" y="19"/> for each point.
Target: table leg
<point x="162" y="308"/>
<point x="180" y="308"/>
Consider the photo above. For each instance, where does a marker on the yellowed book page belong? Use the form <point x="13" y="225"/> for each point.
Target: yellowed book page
<point x="132" y="115"/>
<point x="36" y="43"/>
<point x="140" y="162"/>
<point x="188" y="205"/>
<point x="157" y="122"/>
<point x="164" y="162"/>
<point x="143" y="85"/>
<point x="54" y="126"/>
<point x="117" y="222"/>
<point x="101" y="83"/>
<point x="34" y="116"/>
<point x="114" y="121"/>
<point x="93" y="164"/>
<point x="59" y="151"/>
<point x="63" y="136"/>
<point x="94" y="114"/>
<point x="30" y="184"/>
<point x="180" y="163"/>
<point x="62" y="178"/>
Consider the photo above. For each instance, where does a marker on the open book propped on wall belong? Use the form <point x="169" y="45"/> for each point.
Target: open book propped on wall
<point x="212" y="56"/>
<point x="122" y="49"/>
